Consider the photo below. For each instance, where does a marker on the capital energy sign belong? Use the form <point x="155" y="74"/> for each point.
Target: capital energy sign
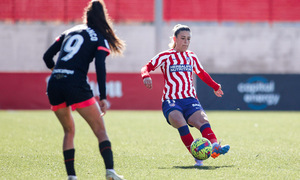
<point x="259" y="92"/>
<point x="252" y="92"/>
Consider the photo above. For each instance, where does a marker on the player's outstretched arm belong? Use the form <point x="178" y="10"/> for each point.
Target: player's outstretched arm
<point x="205" y="77"/>
<point x="146" y="76"/>
<point x="219" y="92"/>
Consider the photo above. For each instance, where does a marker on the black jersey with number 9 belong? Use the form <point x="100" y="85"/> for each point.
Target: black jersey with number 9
<point x="78" y="47"/>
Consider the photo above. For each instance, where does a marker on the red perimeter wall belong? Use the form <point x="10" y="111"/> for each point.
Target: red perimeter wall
<point x="143" y="10"/>
<point x="124" y="91"/>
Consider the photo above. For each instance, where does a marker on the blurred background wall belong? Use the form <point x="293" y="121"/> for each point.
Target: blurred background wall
<point x="228" y="36"/>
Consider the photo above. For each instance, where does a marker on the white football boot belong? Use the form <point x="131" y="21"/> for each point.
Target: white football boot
<point x="112" y="175"/>
<point x="72" y="178"/>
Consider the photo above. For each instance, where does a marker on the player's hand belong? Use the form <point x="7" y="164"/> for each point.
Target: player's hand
<point x="103" y="106"/>
<point x="219" y="92"/>
<point x="148" y="82"/>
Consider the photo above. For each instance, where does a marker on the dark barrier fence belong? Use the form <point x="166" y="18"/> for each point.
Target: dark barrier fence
<point x="252" y="92"/>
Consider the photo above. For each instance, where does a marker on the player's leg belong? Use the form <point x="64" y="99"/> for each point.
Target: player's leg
<point x="92" y="115"/>
<point x="173" y="114"/>
<point x="58" y="103"/>
<point x="177" y="120"/>
<point x="199" y="120"/>
<point x="67" y="122"/>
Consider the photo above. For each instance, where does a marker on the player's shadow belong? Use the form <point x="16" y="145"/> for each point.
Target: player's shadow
<point x="202" y="167"/>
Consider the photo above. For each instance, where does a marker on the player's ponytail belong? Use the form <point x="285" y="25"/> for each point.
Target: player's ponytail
<point x="96" y="17"/>
<point x="176" y="30"/>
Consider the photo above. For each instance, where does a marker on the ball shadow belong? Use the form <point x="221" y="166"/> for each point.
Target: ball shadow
<point x="203" y="167"/>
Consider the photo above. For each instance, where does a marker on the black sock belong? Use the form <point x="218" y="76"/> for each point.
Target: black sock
<point x="107" y="155"/>
<point x="69" y="161"/>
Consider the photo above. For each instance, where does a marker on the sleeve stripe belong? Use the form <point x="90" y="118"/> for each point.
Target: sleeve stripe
<point x="103" y="49"/>
<point x="57" y="39"/>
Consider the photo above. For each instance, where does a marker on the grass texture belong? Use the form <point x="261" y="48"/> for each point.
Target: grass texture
<point x="264" y="145"/>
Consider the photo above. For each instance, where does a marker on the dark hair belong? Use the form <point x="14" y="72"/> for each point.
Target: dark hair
<point x="96" y="17"/>
<point x="177" y="28"/>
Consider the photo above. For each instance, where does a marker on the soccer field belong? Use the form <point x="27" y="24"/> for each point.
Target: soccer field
<point x="264" y="145"/>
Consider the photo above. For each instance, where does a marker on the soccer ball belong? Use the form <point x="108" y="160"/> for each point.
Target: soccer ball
<point x="201" y="148"/>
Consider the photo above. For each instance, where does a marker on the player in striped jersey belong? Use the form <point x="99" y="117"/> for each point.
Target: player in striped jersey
<point x="180" y="104"/>
<point x="68" y="88"/>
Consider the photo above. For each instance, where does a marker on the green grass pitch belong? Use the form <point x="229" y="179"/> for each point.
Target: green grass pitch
<point x="264" y="145"/>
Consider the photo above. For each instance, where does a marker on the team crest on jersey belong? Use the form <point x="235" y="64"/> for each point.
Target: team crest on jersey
<point x="188" y="59"/>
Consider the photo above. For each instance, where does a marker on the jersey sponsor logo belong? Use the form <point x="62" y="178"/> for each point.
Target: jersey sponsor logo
<point x="181" y="68"/>
<point x="63" y="71"/>
<point x="196" y="105"/>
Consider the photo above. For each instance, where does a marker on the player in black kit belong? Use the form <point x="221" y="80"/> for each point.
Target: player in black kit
<point x="68" y="88"/>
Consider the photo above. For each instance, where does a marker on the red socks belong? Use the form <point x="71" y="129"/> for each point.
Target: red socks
<point x="186" y="136"/>
<point x="208" y="133"/>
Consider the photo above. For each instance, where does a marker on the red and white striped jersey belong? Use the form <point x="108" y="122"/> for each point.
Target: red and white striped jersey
<point x="177" y="68"/>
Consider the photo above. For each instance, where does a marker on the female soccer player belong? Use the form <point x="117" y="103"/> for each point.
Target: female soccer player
<point x="68" y="88"/>
<point x="180" y="104"/>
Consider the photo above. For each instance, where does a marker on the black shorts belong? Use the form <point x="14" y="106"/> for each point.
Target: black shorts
<point x="68" y="93"/>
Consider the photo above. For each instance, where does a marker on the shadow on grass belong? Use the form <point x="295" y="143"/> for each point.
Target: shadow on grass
<point x="198" y="167"/>
<point x="202" y="167"/>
